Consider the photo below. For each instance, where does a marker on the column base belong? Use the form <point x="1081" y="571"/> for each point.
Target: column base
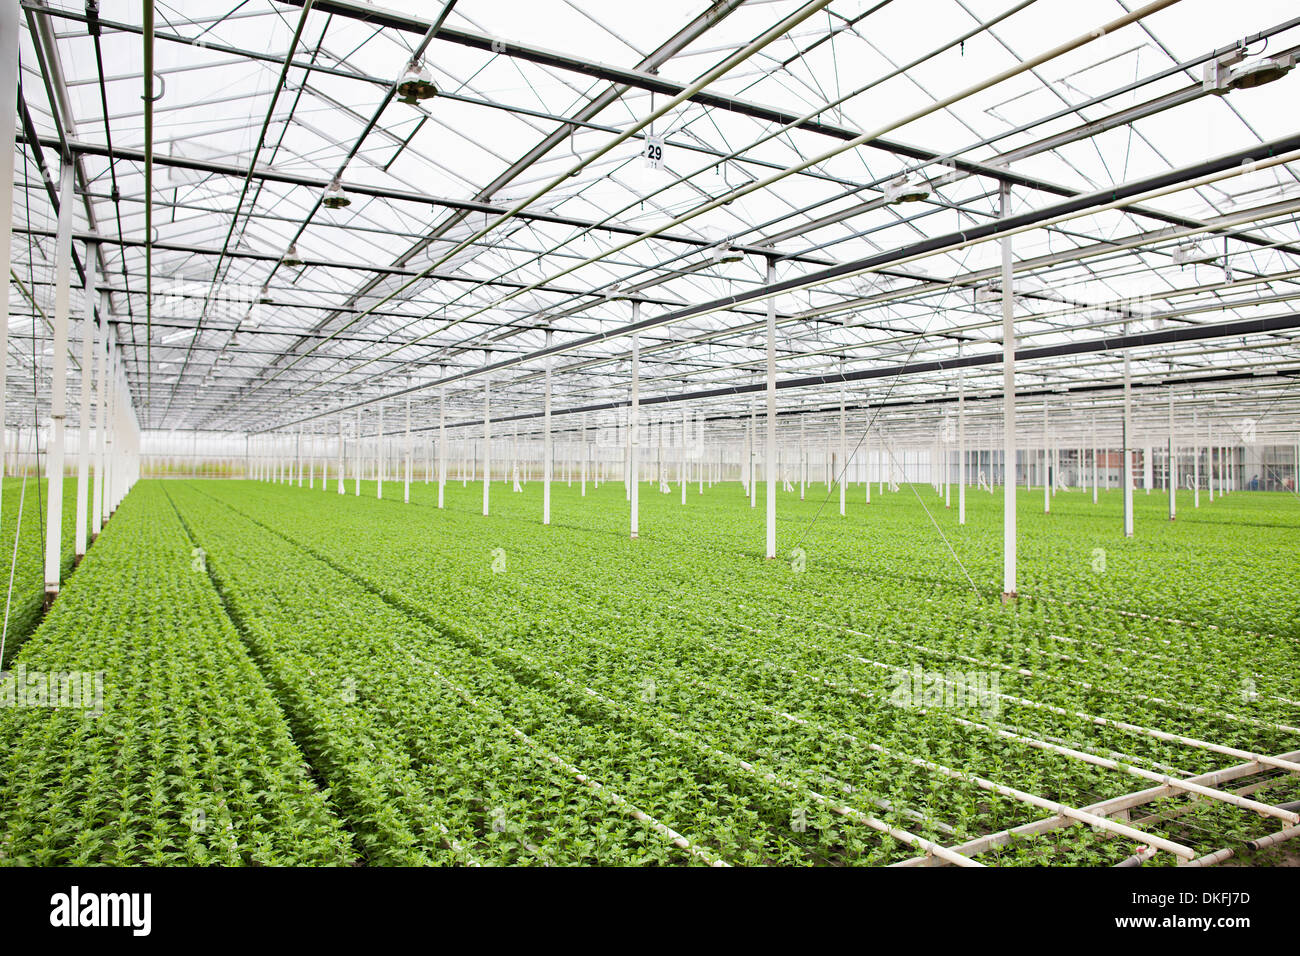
<point x="1009" y="596"/>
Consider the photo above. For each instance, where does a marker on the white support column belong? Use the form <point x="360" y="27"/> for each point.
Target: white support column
<point x="633" y="423"/>
<point x="699" y="444"/>
<point x="342" y="454"/>
<point x="9" y="33"/>
<point x="1008" y="412"/>
<point x="1210" y="454"/>
<point x="770" y="458"/>
<point x="1048" y="479"/>
<point x="842" y="477"/>
<point x="442" y="439"/>
<point x="101" y="428"/>
<point x="1094" y="458"/>
<point x="487" y="440"/>
<point x="379" y="454"/>
<point x="586" y="452"/>
<point x="87" y="368"/>
<point x="681" y="465"/>
<point x="1196" y="463"/>
<point x="58" y="388"/>
<point x="406" y="489"/>
<point x="297" y="452"/>
<point x="111" y="438"/>
<point x="357" y="459"/>
<point x="1172" y="476"/>
<point x="753" y="456"/>
<point x="1126" y="455"/>
<point x="961" y="446"/>
<point x="547" y="446"/>
<point x="1147" y="469"/>
<point x="866" y="455"/>
<point x="804" y="462"/>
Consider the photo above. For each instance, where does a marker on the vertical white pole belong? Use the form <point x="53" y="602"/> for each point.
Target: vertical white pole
<point x="58" y="389"/>
<point x="87" y="369"/>
<point x="633" y="421"/>
<point x="297" y="451"/>
<point x="487" y="440"/>
<point x="1210" y="454"/>
<point x="110" y="430"/>
<point x="681" y="465"/>
<point x="442" y="439"/>
<point x="804" y="462"/>
<point x="1047" y="464"/>
<point x="699" y="443"/>
<point x="866" y="454"/>
<point x="586" y="450"/>
<point x="546" y="442"/>
<point x="379" y="454"/>
<point x="101" y="412"/>
<point x="406" y="490"/>
<point x="1147" y="470"/>
<point x="770" y="465"/>
<point x="9" y="33"/>
<point x="1196" y="463"/>
<point x="1094" y="458"/>
<point x="1127" y="452"/>
<point x="1008" y="412"/>
<point x="342" y="456"/>
<point x="753" y="456"/>
<point x="844" y="446"/>
<point x="356" y="462"/>
<point x="1172" y="476"/>
<point x="961" y="446"/>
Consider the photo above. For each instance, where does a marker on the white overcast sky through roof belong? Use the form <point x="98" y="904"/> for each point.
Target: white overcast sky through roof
<point x="311" y="350"/>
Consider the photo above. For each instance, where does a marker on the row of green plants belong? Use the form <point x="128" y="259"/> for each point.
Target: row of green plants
<point x="451" y="721"/>
<point x="298" y="677"/>
<point x="181" y="755"/>
<point x="578" y="610"/>
<point x="25" y="556"/>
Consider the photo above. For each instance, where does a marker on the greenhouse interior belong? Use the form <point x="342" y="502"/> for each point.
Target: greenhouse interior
<point x="768" y="433"/>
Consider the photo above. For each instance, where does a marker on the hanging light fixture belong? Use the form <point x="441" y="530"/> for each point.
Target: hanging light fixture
<point x="335" y="197"/>
<point x="415" y="84"/>
<point x="725" y="252"/>
<point x="1222" y="75"/>
<point x="290" y="257"/>
<point x="1192" y="253"/>
<point x="906" y="189"/>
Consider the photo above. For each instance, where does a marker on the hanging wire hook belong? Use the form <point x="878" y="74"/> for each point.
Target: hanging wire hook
<point x="163" y="92"/>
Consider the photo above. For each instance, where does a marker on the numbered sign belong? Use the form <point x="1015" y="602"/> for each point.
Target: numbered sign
<point x="654" y="152"/>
